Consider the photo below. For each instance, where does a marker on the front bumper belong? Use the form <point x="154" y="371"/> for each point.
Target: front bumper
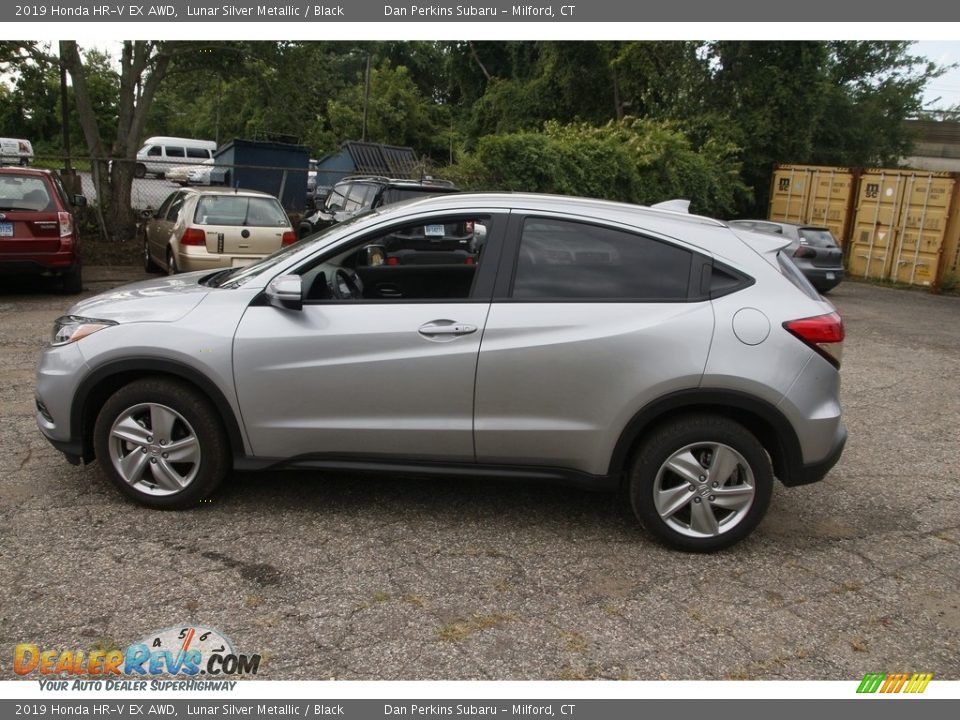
<point x="58" y="377"/>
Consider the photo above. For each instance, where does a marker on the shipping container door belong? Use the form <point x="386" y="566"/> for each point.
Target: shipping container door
<point x="923" y="221"/>
<point x="879" y="198"/>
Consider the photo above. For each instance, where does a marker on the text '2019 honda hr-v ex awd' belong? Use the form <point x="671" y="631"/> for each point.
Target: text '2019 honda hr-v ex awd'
<point x="579" y="341"/>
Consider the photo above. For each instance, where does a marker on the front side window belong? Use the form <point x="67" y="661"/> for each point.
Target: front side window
<point x="154" y="151"/>
<point x="359" y="197"/>
<point x="564" y="260"/>
<point x="337" y="198"/>
<point x="434" y="259"/>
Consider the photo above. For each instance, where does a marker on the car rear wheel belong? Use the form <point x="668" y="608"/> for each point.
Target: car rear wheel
<point x="140" y="171"/>
<point x="701" y="483"/>
<point x="72" y="280"/>
<point x="148" y="264"/>
<point x="161" y="443"/>
<point x="172" y="268"/>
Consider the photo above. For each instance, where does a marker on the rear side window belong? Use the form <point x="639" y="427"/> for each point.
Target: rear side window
<point x="817" y="237"/>
<point x="19" y="192"/>
<point x="563" y="260"/>
<point x="177" y="152"/>
<point x="793" y="274"/>
<point x="198" y="153"/>
<point x="395" y="195"/>
<point x="238" y="210"/>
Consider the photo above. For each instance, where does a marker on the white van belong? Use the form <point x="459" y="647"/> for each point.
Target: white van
<point x="161" y="153"/>
<point x="14" y="151"/>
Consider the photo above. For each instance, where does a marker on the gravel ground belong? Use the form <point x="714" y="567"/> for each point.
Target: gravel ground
<point x="374" y="578"/>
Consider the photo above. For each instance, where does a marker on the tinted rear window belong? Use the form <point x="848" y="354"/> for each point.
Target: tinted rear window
<point x="565" y="260"/>
<point x="197" y="153"/>
<point x="22" y="192"/>
<point x="239" y="210"/>
<point x="817" y="237"/>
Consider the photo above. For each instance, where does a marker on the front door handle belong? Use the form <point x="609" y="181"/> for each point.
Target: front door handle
<point x="446" y="328"/>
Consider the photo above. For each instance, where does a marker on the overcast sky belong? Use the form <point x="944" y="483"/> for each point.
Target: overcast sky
<point x="942" y="93"/>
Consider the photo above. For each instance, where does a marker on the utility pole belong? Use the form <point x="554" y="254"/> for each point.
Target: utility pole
<point x="366" y="100"/>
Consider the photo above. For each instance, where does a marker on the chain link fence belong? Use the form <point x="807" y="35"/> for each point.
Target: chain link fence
<point x="298" y="189"/>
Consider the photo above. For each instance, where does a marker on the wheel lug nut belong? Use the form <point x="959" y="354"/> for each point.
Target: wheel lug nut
<point x="153" y="460"/>
<point x="714" y="483"/>
<point x="149" y="438"/>
<point x="712" y="498"/>
<point x="696" y="499"/>
<point x="702" y="478"/>
<point x="143" y="450"/>
<point x="691" y="488"/>
<point x="165" y="455"/>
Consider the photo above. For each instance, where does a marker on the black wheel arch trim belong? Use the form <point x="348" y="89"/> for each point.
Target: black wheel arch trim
<point x="145" y="366"/>
<point x="781" y="441"/>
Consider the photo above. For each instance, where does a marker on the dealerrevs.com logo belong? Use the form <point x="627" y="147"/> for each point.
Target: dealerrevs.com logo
<point x="189" y="650"/>
<point x="910" y="683"/>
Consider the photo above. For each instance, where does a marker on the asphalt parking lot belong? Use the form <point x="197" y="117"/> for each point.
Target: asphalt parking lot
<point x="375" y="578"/>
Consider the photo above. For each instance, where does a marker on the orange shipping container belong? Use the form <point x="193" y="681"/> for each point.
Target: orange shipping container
<point x="813" y="194"/>
<point x="906" y="222"/>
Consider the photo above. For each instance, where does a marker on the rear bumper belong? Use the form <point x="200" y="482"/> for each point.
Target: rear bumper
<point x="817" y="471"/>
<point x="824" y="279"/>
<point x="53" y="264"/>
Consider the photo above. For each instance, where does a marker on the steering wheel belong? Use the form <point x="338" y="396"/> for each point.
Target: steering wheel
<point x="347" y="285"/>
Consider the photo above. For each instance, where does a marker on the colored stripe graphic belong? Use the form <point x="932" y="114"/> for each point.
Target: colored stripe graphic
<point x="894" y="682"/>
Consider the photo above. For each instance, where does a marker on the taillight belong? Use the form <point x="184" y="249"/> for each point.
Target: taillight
<point x="393" y="260"/>
<point x="66" y="223"/>
<point x="470" y="260"/>
<point x="194" y="236"/>
<point x="804" y="251"/>
<point x="823" y="333"/>
<point x="289" y="238"/>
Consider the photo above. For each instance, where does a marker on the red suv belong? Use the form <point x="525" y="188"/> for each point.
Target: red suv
<point x="37" y="233"/>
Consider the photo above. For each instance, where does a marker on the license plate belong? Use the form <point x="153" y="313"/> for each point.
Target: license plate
<point x="434" y="231"/>
<point x="240" y="262"/>
<point x="6" y="229"/>
<point x="831" y="276"/>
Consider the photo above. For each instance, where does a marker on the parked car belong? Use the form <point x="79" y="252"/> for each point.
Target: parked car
<point x="813" y="248"/>
<point x="160" y="154"/>
<point x="38" y="233"/>
<point x="594" y="343"/>
<point x="206" y="229"/>
<point x="15" y="151"/>
<point x="357" y="194"/>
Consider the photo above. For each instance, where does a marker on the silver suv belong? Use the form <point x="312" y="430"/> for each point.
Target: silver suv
<point x="586" y="342"/>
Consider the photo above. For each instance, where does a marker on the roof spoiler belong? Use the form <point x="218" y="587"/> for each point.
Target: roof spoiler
<point x="678" y="205"/>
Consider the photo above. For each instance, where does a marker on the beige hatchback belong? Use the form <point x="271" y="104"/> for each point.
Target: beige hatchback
<point x="207" y="229"/>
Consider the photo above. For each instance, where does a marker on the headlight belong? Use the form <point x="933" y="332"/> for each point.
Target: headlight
<point x="70" y="328"/>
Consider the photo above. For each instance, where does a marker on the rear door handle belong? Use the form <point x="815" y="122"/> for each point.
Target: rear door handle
<point x="446" y="328"/>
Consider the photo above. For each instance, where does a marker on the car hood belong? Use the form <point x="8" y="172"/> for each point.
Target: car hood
<point x="164" y="299"/>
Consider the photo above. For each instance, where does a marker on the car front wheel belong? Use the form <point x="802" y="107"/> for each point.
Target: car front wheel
<point x="161" y="443"/>
<point x="701" y="483"/>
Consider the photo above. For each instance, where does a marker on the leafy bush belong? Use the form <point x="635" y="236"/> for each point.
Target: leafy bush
<point x="630" y="160"/>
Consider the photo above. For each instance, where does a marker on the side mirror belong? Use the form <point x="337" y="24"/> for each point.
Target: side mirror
<point x="79" y="201"/>
<point x="286" y="292"/>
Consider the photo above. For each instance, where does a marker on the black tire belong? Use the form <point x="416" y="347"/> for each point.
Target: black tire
<point x="140" y="171"/>
<point x="197" y="419"/>
<point x="72" y="280"/>
<point x="148" y="264"/>
<point x="704" y="438"/>
<point x="303" y="230"/>
<point x="172" y="268"/>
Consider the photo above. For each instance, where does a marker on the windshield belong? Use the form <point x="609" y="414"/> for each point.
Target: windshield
<point x="20" y="192"/>
<point x="817" y="237"/>
<point x="235" y="277"/>
<point x="239" y="210"/>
